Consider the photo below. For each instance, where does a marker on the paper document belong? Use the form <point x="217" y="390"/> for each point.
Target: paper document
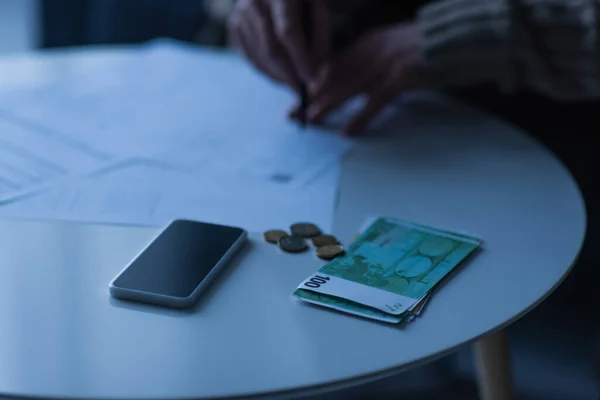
<point x="213" y="131"/>
<point x="33" y="158"/>
<point x="195" y="108"/>
<point x="165" y="96"/>
<point x="145" y="192"/>
<point x="245" y="130"/>
<point x="286" y="157"/>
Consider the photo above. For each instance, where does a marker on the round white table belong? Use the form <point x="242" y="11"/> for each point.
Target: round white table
<point x="61" y="335"/>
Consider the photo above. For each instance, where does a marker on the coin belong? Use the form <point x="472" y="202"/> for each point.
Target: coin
<point x="356" y="237"/>
<point x="305" y="229"/>
<point x="330" y="251"/>
<point x="292" y="244"/>
<point x="274" y="235"/>
<point x="324" y="240"/>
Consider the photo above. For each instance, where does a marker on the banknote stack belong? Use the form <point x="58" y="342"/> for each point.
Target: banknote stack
<point x="389" y="272"/>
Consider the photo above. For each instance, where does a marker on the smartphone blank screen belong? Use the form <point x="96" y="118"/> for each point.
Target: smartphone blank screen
<point x="179" y="259"/>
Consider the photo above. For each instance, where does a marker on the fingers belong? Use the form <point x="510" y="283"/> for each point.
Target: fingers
<point x="340" y="79"/>
<point x="294" y="112"/>
<point x="248" y="31"/>
<point x="251" y="30"/>
<point x="271" y="36"/>
<point x="396" y="84"/>
<point x="375" y="103"/>
<point x="334" y="90"/>
<point x="322" y="32"/>
<point x="269" y="52"/>
<point x="288" y="30"/>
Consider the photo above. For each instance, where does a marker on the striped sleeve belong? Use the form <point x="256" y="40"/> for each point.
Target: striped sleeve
<point x="549" y="46"/>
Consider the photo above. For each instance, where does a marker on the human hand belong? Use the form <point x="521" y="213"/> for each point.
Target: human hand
<point x="270" y="35"/>
<point x="381" y="65"/>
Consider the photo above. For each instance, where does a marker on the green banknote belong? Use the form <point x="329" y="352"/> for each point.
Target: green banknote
<point x="351" y="307"/>
<point x="346" y="305"/>
<point x="388" y="270"/>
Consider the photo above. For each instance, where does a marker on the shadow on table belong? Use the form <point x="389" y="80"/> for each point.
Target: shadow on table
<point x="205" y="298"/>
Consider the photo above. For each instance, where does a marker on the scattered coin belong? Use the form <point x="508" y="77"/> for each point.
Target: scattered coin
<point x="292" y="244"/>
<point x="330" y="251"/>
<point x="324" y="240"/>
<point x="305" y="229"/>
<point x="274" y="235"/>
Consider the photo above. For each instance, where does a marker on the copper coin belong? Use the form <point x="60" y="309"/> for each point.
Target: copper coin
<point x="292" y="244"/>
<point x="324" y="240"/>
<point x="305" y="229"/>
<point x="330" y="251"/>
<point x="274" y="235"/>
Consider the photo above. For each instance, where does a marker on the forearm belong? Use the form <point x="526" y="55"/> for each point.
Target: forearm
<point x="550" y="47"/>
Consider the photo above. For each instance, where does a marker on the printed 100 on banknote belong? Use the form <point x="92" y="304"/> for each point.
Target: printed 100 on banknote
<point x="387" y="270"/>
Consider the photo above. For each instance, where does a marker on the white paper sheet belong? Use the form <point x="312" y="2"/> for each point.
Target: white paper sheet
<point x="32" y="159"/>
<point x="189" y="106"/>
<point x="288" y="158"/>
<point x="207" y="114"/>
<point x="146" y="192"/>
<point x="245" y="130"/>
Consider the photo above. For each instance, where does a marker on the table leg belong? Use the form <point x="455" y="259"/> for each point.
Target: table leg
<point x="494" y="373"/>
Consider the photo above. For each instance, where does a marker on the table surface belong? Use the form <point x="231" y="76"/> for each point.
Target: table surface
<point x="448" y="166"/>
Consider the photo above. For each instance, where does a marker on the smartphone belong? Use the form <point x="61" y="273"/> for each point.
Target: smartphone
<point x="179" y="264"/>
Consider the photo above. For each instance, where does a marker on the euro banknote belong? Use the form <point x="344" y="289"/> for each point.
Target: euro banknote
<point x="388" y="272"/>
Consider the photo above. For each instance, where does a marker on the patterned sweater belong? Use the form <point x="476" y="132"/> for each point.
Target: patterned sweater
<point x="551" y="47"/>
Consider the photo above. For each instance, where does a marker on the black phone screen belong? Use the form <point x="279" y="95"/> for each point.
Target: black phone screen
<point x="177" y="261"/>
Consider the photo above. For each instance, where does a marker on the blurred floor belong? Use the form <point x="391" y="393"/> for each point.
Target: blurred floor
<point x="17" y="25"/>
